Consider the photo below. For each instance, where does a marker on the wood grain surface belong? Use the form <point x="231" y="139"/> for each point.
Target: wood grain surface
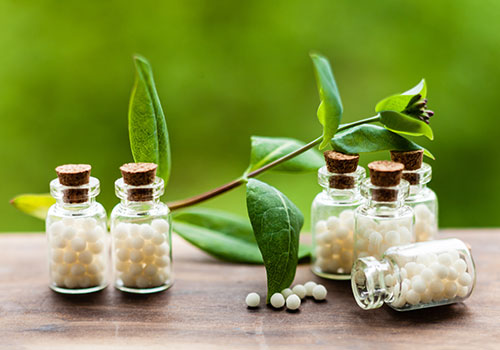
<point x="205" y="309"/>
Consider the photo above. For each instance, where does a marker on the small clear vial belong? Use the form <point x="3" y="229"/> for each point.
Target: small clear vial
<point x="76" y="232"/>
<point x="415" y="276"/>
<point x="421" y="198"/>
<point x="141" y="232"/>
<point x="384" y="220"/>
<point x="332" y="215"/>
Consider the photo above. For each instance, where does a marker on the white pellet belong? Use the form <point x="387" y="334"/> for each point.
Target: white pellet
<point x="57" y="255"/>
<point x="94" y="269"/>
<point x="89" y="223"/>
<point x="136" y="256"/>
<point x="120" y="231"/>
<point x="142" y="282"/>
<point x="286" y="292"/>
<point x="77" y="269"/>
<point x="78" y="244"/>
<point x="134" y="230"/>
<point x="149" y="249"/>
<point x="300" y="290"/>
<point x="123" y="254"/>
<point x="460" y="265"/>
<point x="137" y="242"/>
<point x="342" y="232"/>
<point x="252" y="300"/>
<point x="161" y="250"/>
<point x="439" y="269"/>
<point x="96" y="247"/>
<point x="445" y="259"/>
<point x="436" y="286"/>
<point x="69" y="257"/>
<point x="63" y="269"/>
<point x="58" y="242"/>
<point x="277" y="300"/>
<point x="319" y="292"/>
<point x="465" y="279"/>
<point x="158" y="238"/>
<point x="162" y="261"/>
<point x="462" y="291"/>
<point x="309" y="286"/>
<point x="332" y="223"/>
<point x="293" y="302"/>
<point x="84" y="282"/>
<point x="121" y="266"/>
<point x="450" y="290"/>
<point x="71" y="282"/>
<point x="150" y="270"/>
<point x="69" y="232"/>
<point x="412" y="297"/>
<point x="160" y="225"/>
<point x="135" y="269"/>
<point x="57" y="228"/>
<point x="85" y="257"/>
<point x="147" y="231"/>
<point x="418" y="284"/>
<point x="452" y="274"/>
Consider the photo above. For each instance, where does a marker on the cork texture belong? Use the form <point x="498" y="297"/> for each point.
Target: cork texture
<point x="384" y="195"/>
<point x="385" y="173"/>
<point x="341" y="163"/>
<point x="341" y="182"/>
<point x="73" y="174"/>
<point x="138" y="174"/>
<point x="412" y="160"/>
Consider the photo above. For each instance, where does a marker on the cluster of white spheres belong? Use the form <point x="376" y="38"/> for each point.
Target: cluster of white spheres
<point x="334" y="240"/>
<point x="374" y="237"/>
<point x="77" y="253"/>
<point x="141" y="254"/>
<point x="425" y="223"/>
<point x="431" y="277"/>
<point x="292" y="298"/>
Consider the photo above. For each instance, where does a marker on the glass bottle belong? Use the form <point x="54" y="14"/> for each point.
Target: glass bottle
<point x="332" y="217"/>
<point x="383" y="220"/>
<point x="421" y="198"/>
<point x="141" y="233"/>
<point x="76" y="233"/>
<point x="415" y="276"/>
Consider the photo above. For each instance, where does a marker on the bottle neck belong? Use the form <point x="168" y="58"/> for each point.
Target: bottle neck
<point x="342" y="188"/>
<point x="139" y="198"/>
<point x="368" y="282"/>
<point x="385" y="198"/>
<point x="75" y="197"/>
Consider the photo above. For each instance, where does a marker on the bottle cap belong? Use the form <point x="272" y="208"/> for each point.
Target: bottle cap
<point x="385" y="173"/>
<point x="74" y="175"/>
<point x="412" y="160"/>
<point x="137" y="175"/>
<point x="341" y="163"/>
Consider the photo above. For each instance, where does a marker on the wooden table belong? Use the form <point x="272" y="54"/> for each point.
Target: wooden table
<point x="206" y="309"/>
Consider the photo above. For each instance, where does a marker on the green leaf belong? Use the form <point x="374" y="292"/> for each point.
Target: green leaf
<point x="372" y="138"/>
<point x="36" y="205"/>
<point x="403" y="124"/>
<point x="223" y="235"/>
<point x="330" y="108"/>
<point x="148" y="133"/>
<point x="276" y="222"/>
<point x="267" y="149"/>
<point x="400" y="101"/>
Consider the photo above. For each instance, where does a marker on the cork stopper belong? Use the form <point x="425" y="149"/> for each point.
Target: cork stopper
<point x="139" y="174"/>
<point x="385" y="173"/>
<point x="74" y="175"/>
<point x="340" y="163"/>
<point x="412" y="160"/>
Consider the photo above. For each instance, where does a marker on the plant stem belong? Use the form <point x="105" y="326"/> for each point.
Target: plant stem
<point x="241" y="180"/>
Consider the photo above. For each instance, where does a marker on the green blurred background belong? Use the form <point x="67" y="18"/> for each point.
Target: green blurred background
<point x="226" y="70"/>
